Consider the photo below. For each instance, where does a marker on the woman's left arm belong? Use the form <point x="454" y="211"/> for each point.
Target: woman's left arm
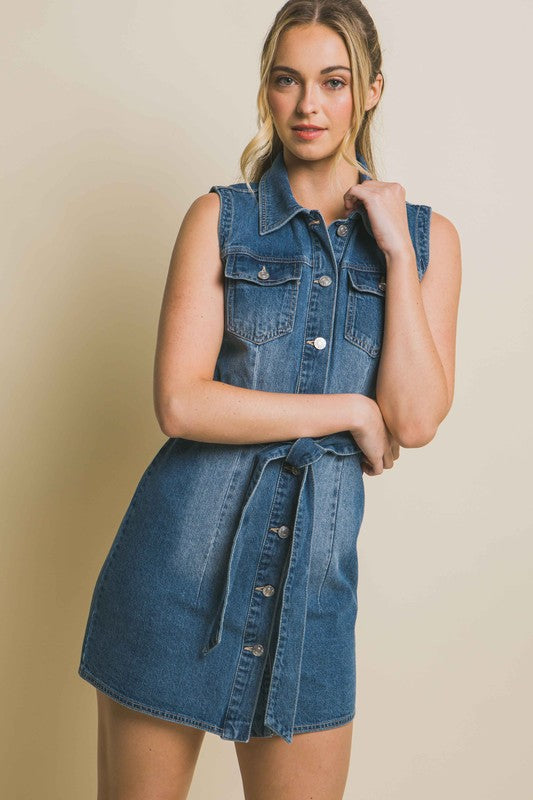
<point x="415" y="383"/>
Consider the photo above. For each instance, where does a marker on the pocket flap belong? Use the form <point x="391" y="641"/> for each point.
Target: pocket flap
<point x="263" y="271"/>
<point x="374" y="282"/>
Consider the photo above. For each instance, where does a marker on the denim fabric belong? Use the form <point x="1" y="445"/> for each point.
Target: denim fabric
<point x="228" y="598"/>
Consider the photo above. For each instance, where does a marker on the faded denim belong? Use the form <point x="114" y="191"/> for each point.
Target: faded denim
<point x="228" y="598"/>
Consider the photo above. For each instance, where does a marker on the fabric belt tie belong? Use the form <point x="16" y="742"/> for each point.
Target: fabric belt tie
<point x="301" y="454"/>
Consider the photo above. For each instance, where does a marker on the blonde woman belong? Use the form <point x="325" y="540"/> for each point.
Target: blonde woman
<point x="307" y="332"/>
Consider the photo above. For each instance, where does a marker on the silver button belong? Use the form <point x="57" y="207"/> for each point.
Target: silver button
<point x="283" y="531"/>
<point x="382" y="282"/>
<point x="267" y="590"/>
<point x="319" y="342"/>
<point x="342" y="230"/>
<point x="324" y="280"/>
<point x="257" y="649"/>
<point x="263" y="274"/>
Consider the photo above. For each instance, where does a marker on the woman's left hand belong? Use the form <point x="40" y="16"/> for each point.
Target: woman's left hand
<point x="387" y="212"/>
<point x="395" y="450"/>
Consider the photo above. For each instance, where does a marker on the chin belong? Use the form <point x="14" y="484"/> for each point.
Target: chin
<point x="306" y="153"/>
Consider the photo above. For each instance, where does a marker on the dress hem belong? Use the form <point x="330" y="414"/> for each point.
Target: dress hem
<point x="88" y="676"/>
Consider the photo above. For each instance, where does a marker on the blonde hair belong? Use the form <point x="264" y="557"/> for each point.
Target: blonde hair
<point x="351" y="20"/>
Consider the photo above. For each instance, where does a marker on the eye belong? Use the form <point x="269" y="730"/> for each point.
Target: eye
<point x="288" y="78"/>
<point x="337" y="80"/>
<point x="282" y="78"/>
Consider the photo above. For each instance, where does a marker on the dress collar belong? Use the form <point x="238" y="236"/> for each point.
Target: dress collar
<point x="277" y="204"/>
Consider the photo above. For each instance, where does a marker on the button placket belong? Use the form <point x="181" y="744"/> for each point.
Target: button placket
<point x="320" y="306"/>
<point x="262" y="607"/>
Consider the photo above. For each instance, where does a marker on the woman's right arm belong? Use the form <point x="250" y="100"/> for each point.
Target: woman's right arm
<point x="188" y="402"/>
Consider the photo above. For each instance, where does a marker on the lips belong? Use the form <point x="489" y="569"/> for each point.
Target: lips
<point x="307" y="128"/>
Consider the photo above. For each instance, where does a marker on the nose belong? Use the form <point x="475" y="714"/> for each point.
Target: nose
<point x="307" y="104"/>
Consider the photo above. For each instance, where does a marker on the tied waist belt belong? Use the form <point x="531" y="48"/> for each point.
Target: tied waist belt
<point x="299" y="455"/>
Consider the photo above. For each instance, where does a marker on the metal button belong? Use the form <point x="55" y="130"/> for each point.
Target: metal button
<point x="257" y="649"/>
<point x="283" y="531"/>
<point x="290" y="468"/>
<point x="319" y="342"/>
<point x="267" y="590"/>
<point x="342" y="230"/>
<point x="324" y="280"/>
<point x="382" y="283"/>
<point x="263" y="274"/>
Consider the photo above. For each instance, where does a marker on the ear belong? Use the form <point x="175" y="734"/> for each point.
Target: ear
<point x="374" y="92"/>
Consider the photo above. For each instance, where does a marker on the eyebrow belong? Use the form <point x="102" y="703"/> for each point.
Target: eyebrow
<point x="322" y="71"/>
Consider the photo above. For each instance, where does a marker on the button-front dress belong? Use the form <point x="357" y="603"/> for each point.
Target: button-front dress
<point x="228" y="598"/>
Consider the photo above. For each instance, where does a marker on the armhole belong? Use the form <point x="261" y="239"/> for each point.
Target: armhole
<point x="422" y="225"/>
<point x="225" y="216"/>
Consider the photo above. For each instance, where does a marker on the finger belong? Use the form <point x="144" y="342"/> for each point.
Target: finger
<point x="352" y="192"/>
<point x="378" y="467"/>
<point x="395" y="449"/>
<point x="351" y="197"/>
<point x="367" y="468"/>
<point x="394" y="446"/>
<point x="388" y="460"/>
<point x="353" y="202"/>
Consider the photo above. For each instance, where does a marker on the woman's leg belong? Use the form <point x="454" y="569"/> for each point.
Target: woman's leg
<point x="140" y="756"/>
<point x="314" y="765"/>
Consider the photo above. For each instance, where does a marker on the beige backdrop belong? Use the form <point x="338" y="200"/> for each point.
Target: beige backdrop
<point x="116" y="116"/>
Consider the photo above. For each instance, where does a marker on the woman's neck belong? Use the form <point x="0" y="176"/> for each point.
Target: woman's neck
<point x="313" y="187"/>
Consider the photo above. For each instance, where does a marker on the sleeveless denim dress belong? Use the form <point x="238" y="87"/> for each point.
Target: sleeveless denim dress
<point x="228" y="598"/>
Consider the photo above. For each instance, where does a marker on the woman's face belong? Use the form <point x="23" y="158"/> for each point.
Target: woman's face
<point x="304" y="90"/>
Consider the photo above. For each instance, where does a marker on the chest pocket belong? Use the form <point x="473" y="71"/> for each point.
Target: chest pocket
<point x="261" y="296"/>
<point x="365" y="311"/>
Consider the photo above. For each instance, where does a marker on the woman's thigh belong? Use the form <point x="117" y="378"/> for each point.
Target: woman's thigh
<point x="141" y="756"/>
<point x="314" y="765"/>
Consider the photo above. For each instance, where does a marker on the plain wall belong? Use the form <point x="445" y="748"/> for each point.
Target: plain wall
<point x="116" y="116"/>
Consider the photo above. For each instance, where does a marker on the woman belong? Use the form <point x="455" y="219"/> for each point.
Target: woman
<point x="307" y="332"/>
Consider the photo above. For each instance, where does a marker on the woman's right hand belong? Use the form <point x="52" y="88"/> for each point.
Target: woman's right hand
<point x="379" y="447"/>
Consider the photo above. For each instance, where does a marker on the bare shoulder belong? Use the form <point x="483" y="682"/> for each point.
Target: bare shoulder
<point x="199" y="227"/>
<point x="196" y="257"/>
<point x="203" y="211"/>
<point x="444" y="246"/>
<point x="208" y="203"/>
<point x="195" y="270"/>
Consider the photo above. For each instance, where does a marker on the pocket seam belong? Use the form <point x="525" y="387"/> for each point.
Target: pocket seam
<point x="284" y="320"/>
<point x="356" y="285"/>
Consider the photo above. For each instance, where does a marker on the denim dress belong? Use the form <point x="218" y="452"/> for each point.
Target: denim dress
<point x="228" y="598"/>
